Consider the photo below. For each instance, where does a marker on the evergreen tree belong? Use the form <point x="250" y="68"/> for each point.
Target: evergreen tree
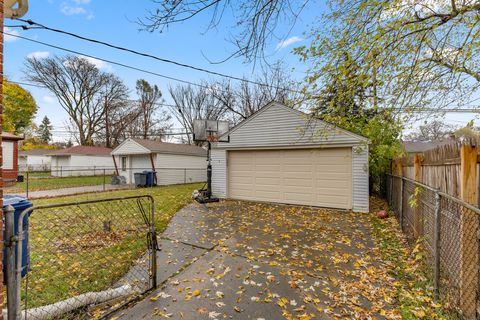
<point x="44" y="130"/>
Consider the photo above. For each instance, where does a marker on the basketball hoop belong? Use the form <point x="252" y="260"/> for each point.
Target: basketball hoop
<point x="15" y="8"/>
<point x="210" y="130"/>
<point x="213" y="138"/>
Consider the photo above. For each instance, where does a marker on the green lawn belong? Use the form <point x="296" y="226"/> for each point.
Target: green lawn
<point x="47" y="182"/>
<point x="79" y="249"/>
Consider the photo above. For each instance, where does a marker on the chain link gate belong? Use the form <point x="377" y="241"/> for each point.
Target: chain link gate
<point x="86" y="259"/>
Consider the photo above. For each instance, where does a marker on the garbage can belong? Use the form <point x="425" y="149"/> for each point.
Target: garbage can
<point x="140" y="179"/>
<point x="151" y="178"/>
<point x="19" y="204"/>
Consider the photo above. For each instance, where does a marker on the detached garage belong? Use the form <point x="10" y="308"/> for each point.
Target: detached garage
<point x="280" y="155"/>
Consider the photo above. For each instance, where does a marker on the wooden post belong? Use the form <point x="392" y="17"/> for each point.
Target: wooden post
<point x="468" y="233"/>
<point x="115" y="164"/>
<point x="397" y="168"/>
<point x="418" y="212"/>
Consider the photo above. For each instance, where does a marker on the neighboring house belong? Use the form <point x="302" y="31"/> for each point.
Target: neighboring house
<point x="81" y="161"/>
<point x="34" y="160"/>
<point x="174" y="163"/>
<point x="10" y="157"/>
<point x="281" y="155"/>
<point x="413" y="147"/>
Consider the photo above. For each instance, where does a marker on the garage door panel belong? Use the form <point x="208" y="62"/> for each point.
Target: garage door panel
<point x="268" y="168"/>
<point x="298" y="168"/>
<point x="298" y="182"/>
<point x="318" y="177"/>
<point x="332" y="184"/>
<point x="267" y="182"/>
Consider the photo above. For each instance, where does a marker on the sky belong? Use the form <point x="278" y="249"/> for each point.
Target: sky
<point x="115" y="22"/>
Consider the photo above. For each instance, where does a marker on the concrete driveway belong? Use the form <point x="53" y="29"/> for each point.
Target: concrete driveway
<point x="243" y="260"/>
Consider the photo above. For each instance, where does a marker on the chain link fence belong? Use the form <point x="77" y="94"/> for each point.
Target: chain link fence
<point x="94" y="179"/>
<point x="87" y="258"/>
<point x="448" y="229"/>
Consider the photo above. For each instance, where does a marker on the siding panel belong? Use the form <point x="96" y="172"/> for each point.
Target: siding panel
<point x="360" y="179"/>
<point x="219" y="173"/>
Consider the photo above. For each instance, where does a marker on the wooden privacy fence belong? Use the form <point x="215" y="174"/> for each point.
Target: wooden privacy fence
<point x="435" y="197"/>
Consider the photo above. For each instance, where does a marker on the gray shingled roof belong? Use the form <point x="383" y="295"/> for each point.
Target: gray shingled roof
<point x="422" y="146"/>
<point x="36" y="152"/>
<point x="172" y="148"/>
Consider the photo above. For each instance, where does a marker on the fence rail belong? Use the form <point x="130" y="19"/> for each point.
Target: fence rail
<point x="80" y="255"/>
<point x="448" y="228"/>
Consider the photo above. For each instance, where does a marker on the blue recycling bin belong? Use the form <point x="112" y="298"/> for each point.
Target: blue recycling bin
<point x="19" y="204"/>
<point x="151" y="178"/>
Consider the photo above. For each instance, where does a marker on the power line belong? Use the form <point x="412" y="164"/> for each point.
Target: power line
<point x="143" y="54"/>
<point x="472" y="109"/>
<point x="105" y="60"/>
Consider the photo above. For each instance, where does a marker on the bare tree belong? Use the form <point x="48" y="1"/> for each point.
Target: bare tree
<point x="152" y="120"/>
<point x="255" y="21"/>
<point x="76" y="83"/>
<point x="118" y="110"/>
<point x="193" y="103"/>
<point x="243" y="99"/>
<point x="434" y="130"/>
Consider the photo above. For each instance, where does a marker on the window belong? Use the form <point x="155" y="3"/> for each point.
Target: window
<point x="124" y="163"/>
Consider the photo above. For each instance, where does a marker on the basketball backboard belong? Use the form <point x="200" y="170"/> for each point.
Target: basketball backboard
<point x="210" y="130"/>
<point x="15" y="8"/>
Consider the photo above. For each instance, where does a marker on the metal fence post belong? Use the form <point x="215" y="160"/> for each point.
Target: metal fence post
<point x="390" y="191"/>
<point x="154" y="245"/>
<point x="27" y="185"/>
<point x="12" y="304"/>
<point x="104" y="178"/>
<point x="400" y="210"/>
<point x="185" y="175"/>
<point x="436" y="248"/>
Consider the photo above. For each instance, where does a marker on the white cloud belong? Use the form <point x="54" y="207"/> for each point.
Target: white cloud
<point x="9" y="38"/>
<point x="48" y="99"/>
<point x="76" y="7"/>
<point x="38" y="55"/>
<point x="287" y="42"/>
<point x="98" y="63"/>
<point x="72" y="10"/>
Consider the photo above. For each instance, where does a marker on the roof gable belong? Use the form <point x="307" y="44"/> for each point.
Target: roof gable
<point x="130" y="146"/>
<point x="277" y="124"/>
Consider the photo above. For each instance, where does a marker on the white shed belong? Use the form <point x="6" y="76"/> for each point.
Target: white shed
<point x="81" y="161"/>
<point x="281" y="155"/>
<point x="34" y="160"/>
<point x="174" y="163"/>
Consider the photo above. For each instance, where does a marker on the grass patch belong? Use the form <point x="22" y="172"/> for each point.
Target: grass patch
<point x="408" y="266"/>
<point x="49" y="183"/>
<point x="79" y="249"/>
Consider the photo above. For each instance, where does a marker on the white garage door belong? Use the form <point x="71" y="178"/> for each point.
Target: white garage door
<point x="316" y="177"/>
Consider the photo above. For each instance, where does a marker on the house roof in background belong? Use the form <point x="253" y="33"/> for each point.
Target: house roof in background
<point x="422" y="146"/>
<point x="172" y="148"/>
<point x="36" y="152"/>
<point x="10" y="136"/>
<point x="82" y="150"/>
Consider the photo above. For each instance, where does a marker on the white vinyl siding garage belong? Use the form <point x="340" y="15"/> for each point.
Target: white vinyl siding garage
<point x="280" y="155"/>
<point x="316" y="177"/>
